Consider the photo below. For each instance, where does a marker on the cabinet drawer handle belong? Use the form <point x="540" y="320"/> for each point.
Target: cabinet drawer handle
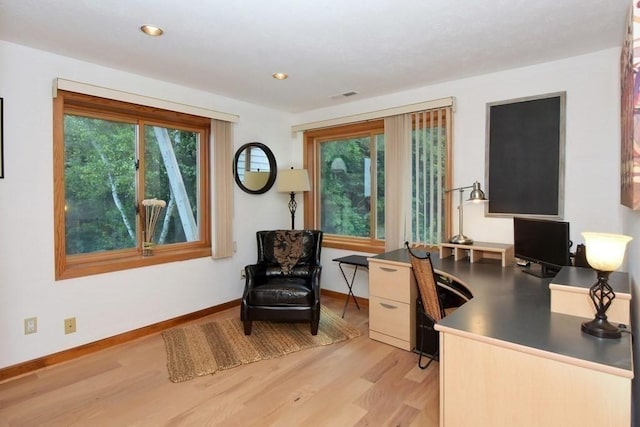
<point x="388" y="269"/>
<point x="393" y="307"/>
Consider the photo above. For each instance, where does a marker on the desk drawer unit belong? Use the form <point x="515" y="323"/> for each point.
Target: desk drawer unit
<point x="392" y="294"/>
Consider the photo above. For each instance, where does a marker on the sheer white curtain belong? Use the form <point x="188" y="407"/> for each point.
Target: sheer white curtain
<point x="417" y="151"/>
<point x="397" y="162"/>
<point x="222" y="185"/>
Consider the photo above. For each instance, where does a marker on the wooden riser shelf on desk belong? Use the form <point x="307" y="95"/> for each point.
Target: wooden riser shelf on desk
<point x="570" y="294"/>
<point x="477" y="251"/>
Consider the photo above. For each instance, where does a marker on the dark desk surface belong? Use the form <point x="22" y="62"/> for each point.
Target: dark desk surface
<point x="580" y="277"/>
<point x="514" y="307"/>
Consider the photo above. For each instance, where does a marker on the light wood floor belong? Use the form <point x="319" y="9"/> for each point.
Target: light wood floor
<point x="360" y="382"/>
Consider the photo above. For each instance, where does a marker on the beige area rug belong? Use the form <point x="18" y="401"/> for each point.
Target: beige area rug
<point x="203" y="349"/>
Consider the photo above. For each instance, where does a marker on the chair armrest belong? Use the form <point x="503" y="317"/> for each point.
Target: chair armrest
<point x="314" y="273"/>
<point x="254" y="273"/>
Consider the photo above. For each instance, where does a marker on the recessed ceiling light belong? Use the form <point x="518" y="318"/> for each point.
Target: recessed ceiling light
<point x="280" y="76"/>
<point x="151" y="30"/>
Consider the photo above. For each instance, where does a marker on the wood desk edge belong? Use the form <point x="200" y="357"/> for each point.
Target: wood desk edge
<point x="537" y="352"/>
<point x="585" y="291"/>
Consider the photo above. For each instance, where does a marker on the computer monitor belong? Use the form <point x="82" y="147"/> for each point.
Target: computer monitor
<point x="543" y="242"/>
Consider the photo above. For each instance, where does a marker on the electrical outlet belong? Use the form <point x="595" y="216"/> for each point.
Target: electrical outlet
<point x="30" y="325"/>
<point x="70" y="325"/>
<point x="242" y="274"/>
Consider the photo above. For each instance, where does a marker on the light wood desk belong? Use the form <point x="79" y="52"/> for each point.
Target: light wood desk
<point x="392" y="303"/>
<point x="508" y="360"/>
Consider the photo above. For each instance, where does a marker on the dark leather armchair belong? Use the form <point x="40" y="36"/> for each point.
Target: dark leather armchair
<point x="284" y="284"/>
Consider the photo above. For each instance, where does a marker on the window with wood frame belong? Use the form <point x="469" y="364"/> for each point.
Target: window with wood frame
<point x="353" y="183"/>
<point x="111" y="159"/>
<point x="347" y="198"/>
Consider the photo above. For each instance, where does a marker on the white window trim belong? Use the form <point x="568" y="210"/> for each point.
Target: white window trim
<point x="379" y="114"/>
<point x="117" y="95"/>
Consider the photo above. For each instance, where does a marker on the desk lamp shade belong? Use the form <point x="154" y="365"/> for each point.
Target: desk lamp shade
<point x="476" y="196"/>
<point x="605" y="253"/>
<point x="293" y="181"/>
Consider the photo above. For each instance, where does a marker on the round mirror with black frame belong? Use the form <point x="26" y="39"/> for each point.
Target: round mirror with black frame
<point x="254" y="168"/>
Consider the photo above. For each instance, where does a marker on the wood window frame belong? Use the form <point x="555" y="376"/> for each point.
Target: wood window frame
<point x="70" y="266"/>
<point x="312" y="139"/>
<point x="311" y="198"/>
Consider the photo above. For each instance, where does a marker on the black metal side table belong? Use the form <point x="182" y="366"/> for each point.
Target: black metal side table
<point x="357" y="261"/>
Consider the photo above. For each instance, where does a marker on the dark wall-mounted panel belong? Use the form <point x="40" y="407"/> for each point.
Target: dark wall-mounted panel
<point x="525" y="156"/>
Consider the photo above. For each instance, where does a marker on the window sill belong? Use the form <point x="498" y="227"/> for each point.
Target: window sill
<point x="351" y="244"/>
<point x="86" y="266"/>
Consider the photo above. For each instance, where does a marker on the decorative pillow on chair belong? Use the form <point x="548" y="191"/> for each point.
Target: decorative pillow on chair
<point x="287" y="248"/>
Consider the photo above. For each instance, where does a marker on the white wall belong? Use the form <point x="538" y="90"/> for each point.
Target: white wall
<point x="105" y="304"/>
<point x="592" y="140"/>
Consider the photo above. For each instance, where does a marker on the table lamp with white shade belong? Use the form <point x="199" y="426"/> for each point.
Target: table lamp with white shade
<point x="293" y="181"/>
<point x="605" y="253"/>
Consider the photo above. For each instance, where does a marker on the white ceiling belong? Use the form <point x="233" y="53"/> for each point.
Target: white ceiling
<point x="328" y="47"/>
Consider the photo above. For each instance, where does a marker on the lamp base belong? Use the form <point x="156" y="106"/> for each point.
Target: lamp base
<point x="292" y="208"/>
<point x="601" y="328"/>
<point x="461" y="239"/>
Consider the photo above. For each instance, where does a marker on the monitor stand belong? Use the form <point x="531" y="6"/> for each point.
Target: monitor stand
<point x="540" y="270"/>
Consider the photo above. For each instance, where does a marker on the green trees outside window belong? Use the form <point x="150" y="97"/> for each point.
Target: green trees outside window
<point x="428" y="172"/>
<point x="101" y="196"/>
<point x="100" y="199"/>
<point x="349" y="169"/>
<point x="171" y="174"/>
